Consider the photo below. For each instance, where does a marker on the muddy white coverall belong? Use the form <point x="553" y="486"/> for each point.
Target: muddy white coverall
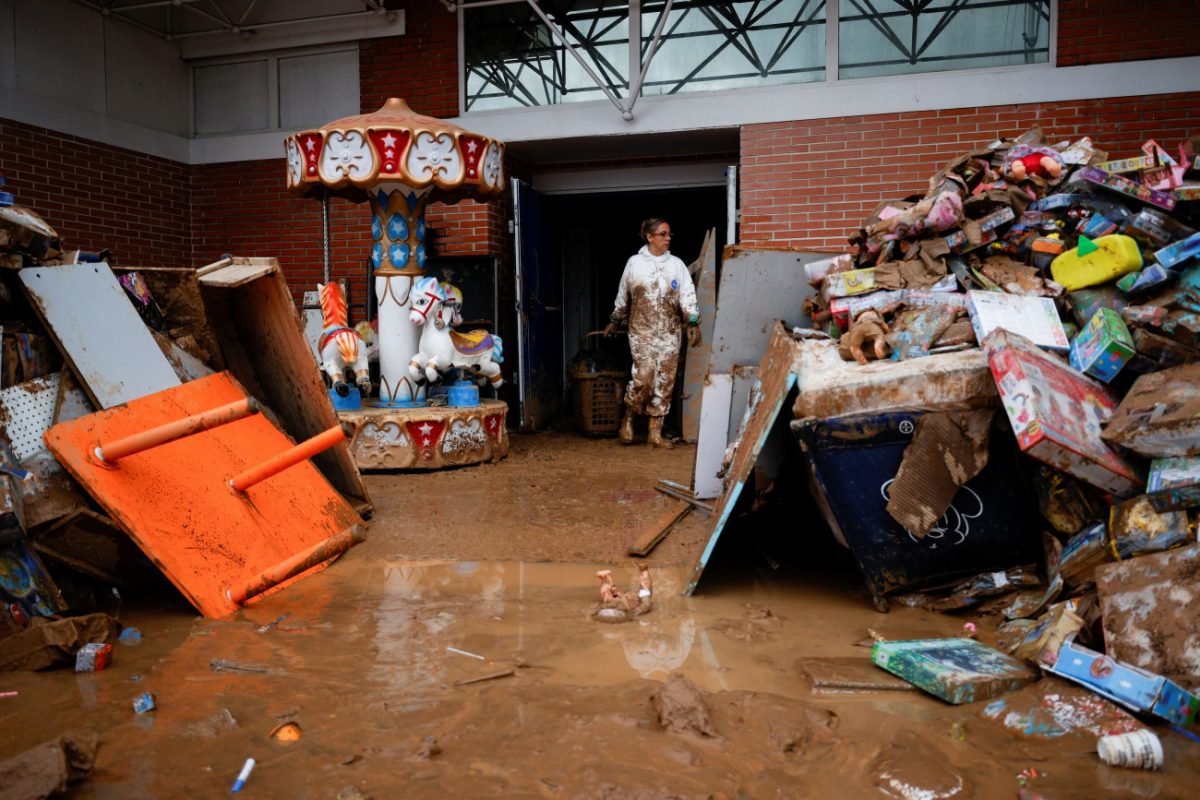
<point x="655" y="298"/>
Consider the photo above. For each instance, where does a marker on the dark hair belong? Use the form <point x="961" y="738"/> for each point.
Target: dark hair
<point x="649" y="225"/>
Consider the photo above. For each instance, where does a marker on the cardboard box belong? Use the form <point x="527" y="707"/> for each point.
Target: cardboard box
<point x="956" y="670"/>
<point x="1134" y="688"/>
<point x="1127" y="164"/>
<point x="1035" y="318"/>
<point x="1057" y="413"/>
<point x="1174" y="255"/>
<point x="1103" y="347"/>
<point x="847" y="284"/>
<point x="1160" y="415"/>
<point x="989" y="231"/>
<point x="1125" y="186"/>
<point x="1174" y="483"/>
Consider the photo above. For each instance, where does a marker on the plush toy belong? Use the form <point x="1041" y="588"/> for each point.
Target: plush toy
<point x="867" y="334"/>
<point x="1024" y="160"/>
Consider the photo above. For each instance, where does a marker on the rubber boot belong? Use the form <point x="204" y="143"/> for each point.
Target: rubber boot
<point x="655" y="438"/>
<point x="627" y="428"/>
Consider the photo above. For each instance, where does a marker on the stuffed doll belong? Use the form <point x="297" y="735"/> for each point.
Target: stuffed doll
<point x="1024" y="160"/>
<point x="867" y="334"/>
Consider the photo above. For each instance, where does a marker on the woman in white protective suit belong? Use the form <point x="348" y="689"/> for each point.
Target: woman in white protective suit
<point x="655" y="299"/>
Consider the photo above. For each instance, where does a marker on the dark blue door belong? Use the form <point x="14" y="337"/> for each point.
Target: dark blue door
<point x="539" y="308"/>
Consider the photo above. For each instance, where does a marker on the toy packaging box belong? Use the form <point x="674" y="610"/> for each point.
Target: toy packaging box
<point x="1174" y="483"/>
<point x="1134" y="688"/>
<point x="1057" y="413"/>
<point x="1103" y="346"/>
<point x="1035" y="318"/>
<point x="849" y="283"/>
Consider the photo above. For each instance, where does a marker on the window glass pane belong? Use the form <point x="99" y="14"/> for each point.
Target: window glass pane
<point x="513" y="59"/>
<point x="314" y="89"/>
<point x="231" y="97"/>
<point x="727" y="45"/>
<point x="895" y="37"/>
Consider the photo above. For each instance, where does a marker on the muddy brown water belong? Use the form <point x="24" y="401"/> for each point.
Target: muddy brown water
<point x="358" y="658"/>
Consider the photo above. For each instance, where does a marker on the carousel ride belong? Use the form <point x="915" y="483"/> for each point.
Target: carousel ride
<point x="399" y="161"/>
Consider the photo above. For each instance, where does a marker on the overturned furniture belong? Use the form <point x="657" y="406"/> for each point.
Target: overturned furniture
<point x="218" y="498"/>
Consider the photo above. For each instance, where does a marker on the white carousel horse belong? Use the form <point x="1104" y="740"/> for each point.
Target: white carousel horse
<point x="340" y="345"/>
<point x="441" y="347"/>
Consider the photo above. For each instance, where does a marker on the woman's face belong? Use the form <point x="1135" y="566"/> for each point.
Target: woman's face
<point x="659" y="240"/>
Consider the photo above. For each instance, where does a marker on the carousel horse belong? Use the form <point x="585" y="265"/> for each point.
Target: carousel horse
<point x="340" y="345"/>
<point x="441" y="347"/>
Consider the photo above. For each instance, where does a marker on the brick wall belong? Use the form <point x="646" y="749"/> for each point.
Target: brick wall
<point x="1101" y="31"/>
<point x="809" y="183"/>
<point x="100" y="197"/>
<point x="243" y="208"/>
<point x="421" y="66"/>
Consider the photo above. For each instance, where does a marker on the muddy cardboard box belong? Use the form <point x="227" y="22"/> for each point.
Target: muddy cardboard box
<point x="1057" y="413"/>
<point x="1103" y="346"/>
<point x="956" y="670"/>
<point x="1150" y="607"/>
<point x="1160" y="416"/>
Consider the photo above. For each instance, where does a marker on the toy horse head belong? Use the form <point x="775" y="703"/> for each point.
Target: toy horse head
<point x="426" y="297"/>
<point x="333" y="304"/>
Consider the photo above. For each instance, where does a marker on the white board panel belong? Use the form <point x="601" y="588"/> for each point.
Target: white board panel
<point x="710" y="449"/>
<point x="758" y="286"/>
<point x="96" y="327"/>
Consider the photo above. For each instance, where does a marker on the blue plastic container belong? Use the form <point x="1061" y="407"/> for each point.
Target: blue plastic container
<point x="351" y="402"/>
<point x="989" y="525"/>
<point x="463" y="394"/>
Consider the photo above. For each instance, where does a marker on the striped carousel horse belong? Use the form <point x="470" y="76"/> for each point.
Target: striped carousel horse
<point x="340" y="345"/>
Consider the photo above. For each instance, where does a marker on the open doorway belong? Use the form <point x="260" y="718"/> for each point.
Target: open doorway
<point x="595" y="233"/>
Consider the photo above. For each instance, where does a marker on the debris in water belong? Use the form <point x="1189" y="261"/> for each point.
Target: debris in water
<point x="243" y="776"/>
<point x="273" y="623"/>
<point x="681" y="708"/>
<point x="287" y="732"/>
<point x="144" y="702"/>
<point x="504" y="673"/>
<point x="465" y="653"/>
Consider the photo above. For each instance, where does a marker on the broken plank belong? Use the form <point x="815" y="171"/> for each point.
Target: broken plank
<point x="491" y="676"/>
<point x="653" y="533"/>
<point x="234" y="275"/>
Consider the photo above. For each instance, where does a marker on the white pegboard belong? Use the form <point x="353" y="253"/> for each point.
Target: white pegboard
<point x="26" y="411"/>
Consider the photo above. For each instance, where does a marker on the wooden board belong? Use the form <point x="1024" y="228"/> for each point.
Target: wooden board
<point x="775" y="381"/>
<point x="657" y="530"/>
<point x="174" y="500"/>
<point x="261" y="336"/>
<point x="98" y="331"/>
<point x="235" y="270"/>
<point x="695" y="365"/>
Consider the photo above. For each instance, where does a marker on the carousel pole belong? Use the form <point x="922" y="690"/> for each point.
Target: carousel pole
<point x="325" y="231"/>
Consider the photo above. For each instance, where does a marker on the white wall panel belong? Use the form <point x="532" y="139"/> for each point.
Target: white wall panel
<point x="317" y="88"/>
<point x="60" y="52"/>
<point x="147" y="80"/>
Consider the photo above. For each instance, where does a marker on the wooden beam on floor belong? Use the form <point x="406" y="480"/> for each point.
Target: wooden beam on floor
<point x="657" y="530"/>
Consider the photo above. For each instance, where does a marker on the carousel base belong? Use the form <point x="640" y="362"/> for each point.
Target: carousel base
<point x="427" y="437"/>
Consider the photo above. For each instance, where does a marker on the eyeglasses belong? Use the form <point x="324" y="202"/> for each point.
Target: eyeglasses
<point x="664" y="234"/>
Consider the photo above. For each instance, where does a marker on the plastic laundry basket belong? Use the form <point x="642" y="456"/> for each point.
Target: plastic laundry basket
<point x="599" y="402"/>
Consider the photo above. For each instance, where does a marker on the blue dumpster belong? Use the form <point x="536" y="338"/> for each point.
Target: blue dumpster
<point x="991" y="524"/>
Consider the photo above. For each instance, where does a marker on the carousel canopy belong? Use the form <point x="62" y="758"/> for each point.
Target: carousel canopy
<point x="394" y="145"/>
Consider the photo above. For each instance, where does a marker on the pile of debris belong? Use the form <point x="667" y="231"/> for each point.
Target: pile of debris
<point x="119" y="390"/>
<point x="1072" y="282"/>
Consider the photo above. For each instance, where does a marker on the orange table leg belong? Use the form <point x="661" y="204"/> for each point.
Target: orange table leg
<point x="289" y="458"/>
<point x="291" y="567"/>
<point x="114" y="451"/>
